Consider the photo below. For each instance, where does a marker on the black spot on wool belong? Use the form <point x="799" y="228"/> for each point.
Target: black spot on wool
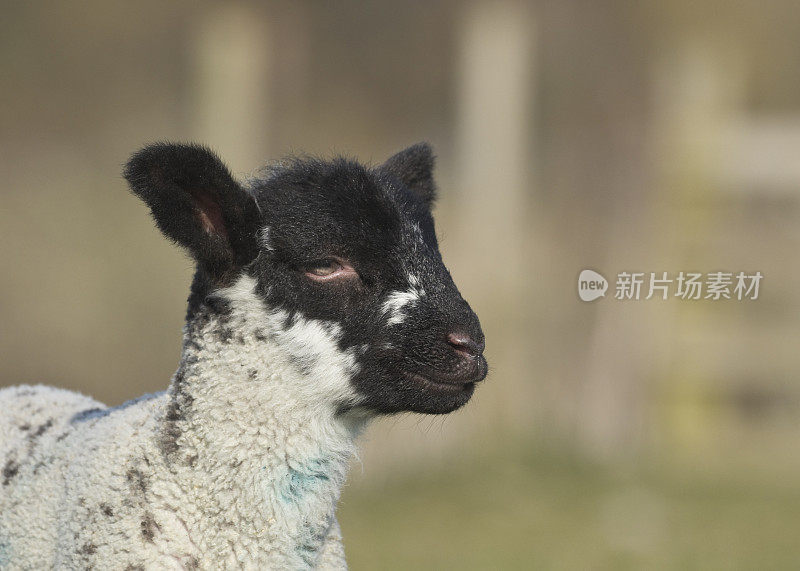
<point x="136" y="481"/>
<point x="41" y="429"/>
<point x="149" y="527"/>
<point x="10" y="470"/>
<point x="47" y="461"/>
<point x="180" y="401"/>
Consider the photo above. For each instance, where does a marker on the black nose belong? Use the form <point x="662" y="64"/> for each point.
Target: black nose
<point x="465" y="344"/>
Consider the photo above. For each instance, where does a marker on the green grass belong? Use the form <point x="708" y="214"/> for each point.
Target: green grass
<point x="523" y="509"/>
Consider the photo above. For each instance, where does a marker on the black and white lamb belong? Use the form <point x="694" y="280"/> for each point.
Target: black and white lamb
<point x="320" y="301"/>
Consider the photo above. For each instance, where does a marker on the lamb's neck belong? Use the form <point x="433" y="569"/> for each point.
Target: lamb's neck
<point x="253" y="452"/>
<point x="226" y="412"/>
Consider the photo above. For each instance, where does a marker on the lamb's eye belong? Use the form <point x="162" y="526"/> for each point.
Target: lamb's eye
<point x="329" y="269"/>
<point x="323" y="268"/>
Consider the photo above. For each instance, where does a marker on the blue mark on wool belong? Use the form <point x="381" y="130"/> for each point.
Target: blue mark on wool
<point x="145" y="397"/>
<point x="94" y="413"/>
<point x="308" y="553"/>
<point x="5" y="553"/>
<point x="306" y="479"/>
<point x="311" y="542"/>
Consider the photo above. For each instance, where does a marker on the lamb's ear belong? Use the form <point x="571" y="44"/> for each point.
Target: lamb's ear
<point x="197" y="203"/>
<point x="414" y="167"/>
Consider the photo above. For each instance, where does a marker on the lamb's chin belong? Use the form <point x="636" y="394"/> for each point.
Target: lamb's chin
<point x="438" y="401"/>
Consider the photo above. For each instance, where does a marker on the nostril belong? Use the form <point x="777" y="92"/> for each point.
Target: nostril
<point x="465" y="344"/>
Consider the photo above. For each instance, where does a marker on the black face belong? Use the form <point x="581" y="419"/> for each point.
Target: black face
<point x="338" y="242"/>
<point x="358" y="247"/>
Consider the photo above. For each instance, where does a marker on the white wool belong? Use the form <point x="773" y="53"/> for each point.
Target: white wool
<point x="248" y="478"/>
<point x="397" y="300"/>
<point x="264" y="239"/>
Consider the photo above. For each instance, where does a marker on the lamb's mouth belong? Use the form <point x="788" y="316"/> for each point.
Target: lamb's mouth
<point x="460" y="380"/>
<point x="432" y="384"/>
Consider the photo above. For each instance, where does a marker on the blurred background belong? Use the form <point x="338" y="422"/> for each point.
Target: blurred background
<point x="612" y="135"/>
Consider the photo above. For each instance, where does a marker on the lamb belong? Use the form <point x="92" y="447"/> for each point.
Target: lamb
<point x="320" y="301"/>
